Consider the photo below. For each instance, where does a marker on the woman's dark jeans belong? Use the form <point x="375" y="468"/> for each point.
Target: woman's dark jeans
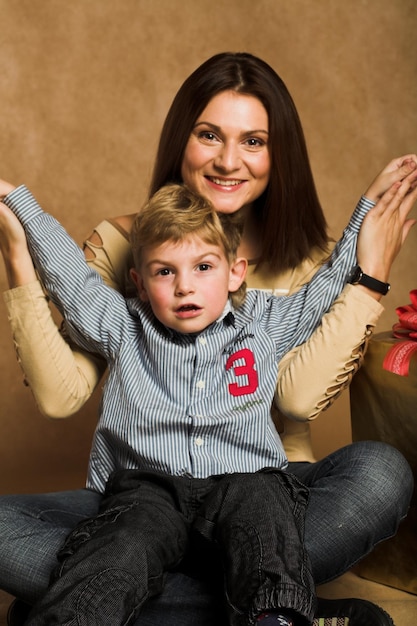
<point x="358" y="496"/>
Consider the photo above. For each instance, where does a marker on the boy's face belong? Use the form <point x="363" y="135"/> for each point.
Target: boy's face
<point x="187" y="283"/>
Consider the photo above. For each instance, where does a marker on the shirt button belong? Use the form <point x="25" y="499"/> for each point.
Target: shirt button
<point x="202" y="341"/>
<point x="200" y="384"/>
<point x="199" y="441"/>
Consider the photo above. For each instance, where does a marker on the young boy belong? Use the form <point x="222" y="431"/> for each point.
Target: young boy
<point x="185" y="447"/>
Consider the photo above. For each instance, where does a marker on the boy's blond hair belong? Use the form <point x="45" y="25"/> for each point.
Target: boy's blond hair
<point x="176" y="211"/>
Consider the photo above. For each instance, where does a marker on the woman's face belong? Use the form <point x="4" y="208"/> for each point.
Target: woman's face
<point x="226" y="158"/>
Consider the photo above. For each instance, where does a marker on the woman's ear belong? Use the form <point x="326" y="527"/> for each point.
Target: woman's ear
<point x="237" y="273"/>
<point x="140" y="286"/>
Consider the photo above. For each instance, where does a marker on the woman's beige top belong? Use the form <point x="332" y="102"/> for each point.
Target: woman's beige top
<point x="62" y="378"/>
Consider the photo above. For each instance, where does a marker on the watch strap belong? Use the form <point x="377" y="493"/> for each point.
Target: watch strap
<point x="358" y="277"/>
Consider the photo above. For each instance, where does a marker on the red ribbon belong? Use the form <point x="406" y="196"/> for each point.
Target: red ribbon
<point x="398" y="357"/>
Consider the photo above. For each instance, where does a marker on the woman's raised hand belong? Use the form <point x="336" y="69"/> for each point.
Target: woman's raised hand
<point x="386" y="227"/>
<point x="13" y="244"/>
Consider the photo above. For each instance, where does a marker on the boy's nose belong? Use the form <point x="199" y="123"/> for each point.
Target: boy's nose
<point x="183" y="286"/>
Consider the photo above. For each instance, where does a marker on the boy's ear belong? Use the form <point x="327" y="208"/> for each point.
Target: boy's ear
<point x="237" y="273"/>
<point x="140" y="287"/>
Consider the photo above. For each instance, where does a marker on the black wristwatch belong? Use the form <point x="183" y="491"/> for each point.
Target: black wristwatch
<point x="357" y="277"/>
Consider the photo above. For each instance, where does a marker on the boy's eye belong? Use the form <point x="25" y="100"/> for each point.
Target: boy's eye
<point x="203" y="267"/>
<point x="163" y="272"/>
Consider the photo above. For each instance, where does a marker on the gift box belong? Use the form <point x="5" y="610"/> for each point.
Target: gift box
<point x="383" y="396"/>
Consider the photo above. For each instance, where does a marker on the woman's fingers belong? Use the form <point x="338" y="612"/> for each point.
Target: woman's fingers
<point x="406" y="229"/>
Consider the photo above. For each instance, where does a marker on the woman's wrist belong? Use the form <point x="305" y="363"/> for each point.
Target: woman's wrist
<point x="370" y="292"/>
<point x="5" y="189"/>
<point x="19" y="268"/>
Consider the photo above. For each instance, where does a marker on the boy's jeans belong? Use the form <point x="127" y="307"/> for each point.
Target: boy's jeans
<point x="111" y="564"/>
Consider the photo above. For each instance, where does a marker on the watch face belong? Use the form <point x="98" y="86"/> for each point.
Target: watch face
<point x="356" y="275"/>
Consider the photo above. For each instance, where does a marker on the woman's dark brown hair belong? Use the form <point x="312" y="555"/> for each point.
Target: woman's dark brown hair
<point x="290" y="218"/>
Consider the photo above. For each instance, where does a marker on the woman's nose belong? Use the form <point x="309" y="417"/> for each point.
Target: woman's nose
<point x="228" y="158"/>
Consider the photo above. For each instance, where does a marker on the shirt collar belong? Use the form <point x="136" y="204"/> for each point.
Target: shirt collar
<point x="228" y="315"/>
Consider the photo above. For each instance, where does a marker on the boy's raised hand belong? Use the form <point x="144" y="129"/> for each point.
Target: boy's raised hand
<point x="394" y="172"/>
<point x="5" y="188"/>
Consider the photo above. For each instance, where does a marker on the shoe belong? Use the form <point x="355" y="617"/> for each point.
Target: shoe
<point x="274" y="619"/>
<point x="350" y="612"/>
<point x="17" y="613"/>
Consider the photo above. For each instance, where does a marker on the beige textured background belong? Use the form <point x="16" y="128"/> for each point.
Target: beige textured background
<point x="84" y="88"/>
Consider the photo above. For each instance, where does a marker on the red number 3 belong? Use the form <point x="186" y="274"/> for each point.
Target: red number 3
<point x="247" y="369"/>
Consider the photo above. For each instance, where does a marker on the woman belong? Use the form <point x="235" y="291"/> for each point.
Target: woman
<point x="233" y="134"/>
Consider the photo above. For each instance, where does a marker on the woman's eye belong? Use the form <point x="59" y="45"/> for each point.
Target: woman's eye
<point x="207" y="135"/>
<point x="254" y="142"/>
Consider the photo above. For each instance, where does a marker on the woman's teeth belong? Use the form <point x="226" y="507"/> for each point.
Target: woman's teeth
<point x="225" y="183"/>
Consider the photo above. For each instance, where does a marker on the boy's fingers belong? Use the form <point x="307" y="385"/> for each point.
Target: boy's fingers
<point x="407" y="168"/>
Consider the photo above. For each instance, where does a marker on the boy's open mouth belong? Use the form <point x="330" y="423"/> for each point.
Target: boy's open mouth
<point x="188" y="307"/>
